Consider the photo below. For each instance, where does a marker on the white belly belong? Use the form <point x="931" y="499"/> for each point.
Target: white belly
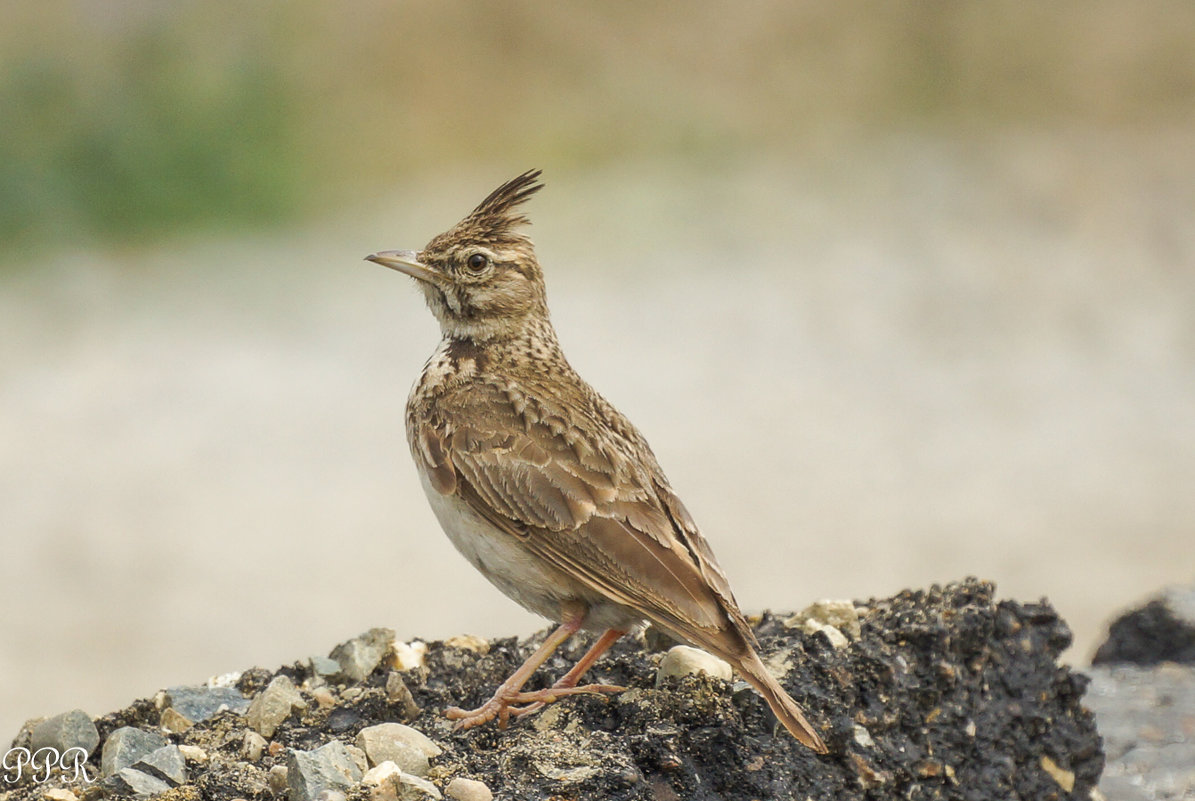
<point x="506" y="562"/>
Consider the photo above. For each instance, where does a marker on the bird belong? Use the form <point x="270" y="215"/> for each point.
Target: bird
<point x="547" y="489"/>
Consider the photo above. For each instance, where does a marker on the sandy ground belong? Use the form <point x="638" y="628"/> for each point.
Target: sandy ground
<point x="922" y="361"/>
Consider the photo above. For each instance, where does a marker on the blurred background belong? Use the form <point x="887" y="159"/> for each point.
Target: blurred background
<point x="899" y="293"/>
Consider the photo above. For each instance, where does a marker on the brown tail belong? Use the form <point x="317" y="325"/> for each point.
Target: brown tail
<point x="783" y="706"/>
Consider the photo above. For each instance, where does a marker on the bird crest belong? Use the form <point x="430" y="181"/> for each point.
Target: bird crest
<point x="496" y="218"/>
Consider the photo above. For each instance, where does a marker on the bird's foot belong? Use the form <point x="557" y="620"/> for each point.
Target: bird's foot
<point x="540" y="698"/>
<point x="505" y="703"/>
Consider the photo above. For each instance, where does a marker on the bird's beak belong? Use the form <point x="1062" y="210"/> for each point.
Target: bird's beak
<point x="405" y="261"/>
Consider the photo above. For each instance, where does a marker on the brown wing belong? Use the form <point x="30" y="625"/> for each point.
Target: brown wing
<point x="600" y="510"/>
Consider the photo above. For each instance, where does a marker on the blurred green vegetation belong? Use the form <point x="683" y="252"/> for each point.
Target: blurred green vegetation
<point x="122" y="120"/>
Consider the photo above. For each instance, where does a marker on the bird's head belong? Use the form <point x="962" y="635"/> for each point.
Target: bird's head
<point x="480" y="277"/>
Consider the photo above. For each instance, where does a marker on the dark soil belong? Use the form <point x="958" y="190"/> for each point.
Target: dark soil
<point x="946" y="694"/>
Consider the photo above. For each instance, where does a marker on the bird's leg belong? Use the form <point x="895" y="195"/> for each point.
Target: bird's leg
<point x="567" y="684"/>
<point x="509" y="691"/>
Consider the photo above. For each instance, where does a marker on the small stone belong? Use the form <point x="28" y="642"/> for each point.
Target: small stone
<point x="330" y="795"/>
<point x="59" y="794"/>
<point x="469" y="642"/>
<point x="863" y="737"/>
<point x="415" y="788"/>
<point x="193" y="753"/>
<point x="253" y="745"/>
<point x="273" y="705"/>
<point x="197" y="704"/>
<point x="174" y="722"/>
<point x="359" y="656"/>
<point x="399" y="695"/>
<point x="840" y="615"/>
<point x="834" y="635"/>
<point x="276" y="780"/>
<point x="325" y="666"/>
<point x="389" y="783"/>
<point x="379" y="774"/>
<point x="329" y="767"/>
<point x="128" y="781"/>
<point x="166" y="763"/>
<point x="408" y="748"/>
<point x="72" y="729"/>
<point x="408" y="656"/>
<point x="682" y="660"/>
<point x="125" y="746"/>
<point x="324" y="697"/>
<point x="462" y="789"/>
<point x="1064" y="778"/>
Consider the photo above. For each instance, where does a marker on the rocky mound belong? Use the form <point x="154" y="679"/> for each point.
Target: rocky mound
<point x="941" y="693"/>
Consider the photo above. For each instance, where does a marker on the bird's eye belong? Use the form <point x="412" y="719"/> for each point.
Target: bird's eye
<point x="477" y="262"/>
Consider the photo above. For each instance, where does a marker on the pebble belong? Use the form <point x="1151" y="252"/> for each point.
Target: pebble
<point x="359" y="656"/>
<point x="399" y="695"/>
<point x="166" y="763"/>
<point x="462" y="789"/>
<point x="173" y="722"/>
<point x="681" y="660"/>
<point x="390" y="783"/>
<point x="409" y="655"/>
<point x="193" y="753"/>
<point x="324" y="666"/>
<point x="329" y="767"/>
<point x="840" y="615"/>
<point x="406" y="747"/>
<point x="252" y="746"/>
<point x="125" y="746"/>
<point x="72" y="729"/>
<point x="276" y="780"/>
<point x="273" y="705"/>
<point x="197" y="704"/>
<point x="59" y="794"/>
<point x="469" y="642"/>
<point x="128" y="781"/>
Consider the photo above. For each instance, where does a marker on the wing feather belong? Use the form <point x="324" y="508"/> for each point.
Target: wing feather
<point x="586" y="507"/>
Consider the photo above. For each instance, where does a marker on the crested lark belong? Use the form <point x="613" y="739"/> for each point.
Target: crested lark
<point x="544" y="486"/>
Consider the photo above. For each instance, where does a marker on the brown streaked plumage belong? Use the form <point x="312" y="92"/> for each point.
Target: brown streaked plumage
<point x="545" y="487"/>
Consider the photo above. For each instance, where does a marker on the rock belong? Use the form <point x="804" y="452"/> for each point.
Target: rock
<point x="389" y="783"/>
<point x="128" y="781"/>
<point x="277" y="780"/>
<point x="173" y="722"/>
<point x="193" y="753"/>
<point x="59" y="794"/>
<point x="197" y="704"/>
<point x="399" y="695"/>
<point x="329" y="767"/>
<point x="409" y="655"/>
<point x="469" y="642"/>
<point x="166" y="763"/>
<point x="273" y="705"/>
<point x="408" y="748"/>
<point x="125" y="746"/>
<point x="1162" y="630"/>
<point x="253" y="745"/>
<point x="681" y="660"/>
<point x="324" y="666"/>
<point x="72" y="729"/>
<point x="462" y="789"/>
<point x="841" y="615"/>
<point x="359" y="656"/>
